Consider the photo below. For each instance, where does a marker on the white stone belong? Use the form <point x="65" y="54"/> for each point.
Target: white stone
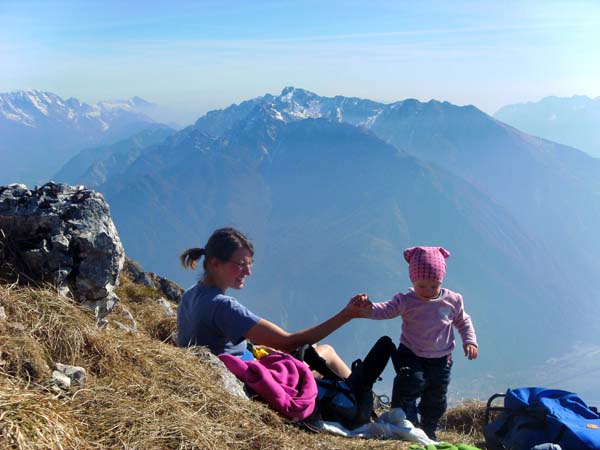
<point x="76" y="374"/>
<point x="167" y="307"/>
<point x="61" y="380"/>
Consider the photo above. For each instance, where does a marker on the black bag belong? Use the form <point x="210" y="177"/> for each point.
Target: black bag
<point x="350" y="401"/>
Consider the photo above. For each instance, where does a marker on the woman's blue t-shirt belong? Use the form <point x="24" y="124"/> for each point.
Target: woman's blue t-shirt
<point x="208" y="317"/>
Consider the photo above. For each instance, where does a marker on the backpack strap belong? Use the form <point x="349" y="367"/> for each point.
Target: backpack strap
<point x="489" y="408"/>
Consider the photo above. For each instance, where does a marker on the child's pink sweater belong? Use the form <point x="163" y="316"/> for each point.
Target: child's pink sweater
<point x="427" y="324"/>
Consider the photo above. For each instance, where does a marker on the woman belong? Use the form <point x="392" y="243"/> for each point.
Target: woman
<point x="206" y="316"/>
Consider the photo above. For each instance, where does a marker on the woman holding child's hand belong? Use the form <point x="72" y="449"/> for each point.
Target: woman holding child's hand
<point x="206" y="316"/>
<point x="360" y="306"/>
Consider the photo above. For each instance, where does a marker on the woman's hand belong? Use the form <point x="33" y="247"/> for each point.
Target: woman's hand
<point x="359" y="306"/>
<point x="471" y="351"/>
<point x="269" y="334"/>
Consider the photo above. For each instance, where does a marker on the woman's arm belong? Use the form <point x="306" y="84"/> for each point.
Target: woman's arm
<point x="267" y="333"/>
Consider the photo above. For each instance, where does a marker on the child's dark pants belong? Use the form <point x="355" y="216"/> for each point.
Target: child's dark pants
<point x="427" y="378"/>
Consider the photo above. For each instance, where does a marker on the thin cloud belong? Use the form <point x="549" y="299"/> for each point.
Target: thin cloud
<point x="371" y="35"/>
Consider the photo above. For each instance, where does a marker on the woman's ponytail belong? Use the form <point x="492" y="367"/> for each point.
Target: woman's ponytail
<point x="221" y="245"/>
<point x="190" y="256"/>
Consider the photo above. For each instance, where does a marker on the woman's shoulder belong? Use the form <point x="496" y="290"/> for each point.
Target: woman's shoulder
<point x="220" y="297"/>
<point x="201" y="291"/>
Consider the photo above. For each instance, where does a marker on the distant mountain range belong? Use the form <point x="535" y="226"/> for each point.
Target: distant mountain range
<point x="331" y="190"/>
<point x="41" y="131"/>
<point x="572" y="121"/>
<point x="94" y="166"/>
<point x="550" y="189"/>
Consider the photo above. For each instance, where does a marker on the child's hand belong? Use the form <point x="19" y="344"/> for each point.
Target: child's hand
<point x="471" y="351"/>
<point x="359" y="306"/>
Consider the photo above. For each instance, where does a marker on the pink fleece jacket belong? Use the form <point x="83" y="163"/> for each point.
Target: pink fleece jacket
<point x="285" y="383"/>
<point x="427" y="324"/>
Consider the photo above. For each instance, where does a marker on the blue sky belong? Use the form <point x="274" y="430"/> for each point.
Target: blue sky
<point x="193" y="56"/>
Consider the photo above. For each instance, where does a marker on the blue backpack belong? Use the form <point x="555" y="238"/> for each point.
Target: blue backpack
<point x="535" y="415"/>
<point x="338" y="402"/>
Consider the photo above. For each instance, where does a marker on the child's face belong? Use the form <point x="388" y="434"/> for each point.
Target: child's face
<point x="427" y="289"/>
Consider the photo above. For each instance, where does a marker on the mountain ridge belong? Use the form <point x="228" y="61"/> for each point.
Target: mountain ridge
<point x="568" y="120"/>
<point x="25" y="106"/>
<point x="41" y="131"/>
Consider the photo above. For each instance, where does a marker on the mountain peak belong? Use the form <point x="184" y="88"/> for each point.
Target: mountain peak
<point x="290" y="93"/>
<point x="287" y="90"/>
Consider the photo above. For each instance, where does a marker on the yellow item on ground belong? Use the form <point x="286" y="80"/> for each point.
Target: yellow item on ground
<point x="259" y="352"/>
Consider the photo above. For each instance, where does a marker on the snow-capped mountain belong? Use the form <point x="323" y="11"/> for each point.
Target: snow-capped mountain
<point x="34" y="108"/>
<point x="291" y="105"/>
<point x="40" y="131"/>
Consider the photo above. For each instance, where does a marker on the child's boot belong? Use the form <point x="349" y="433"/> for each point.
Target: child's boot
<point x="429" y="426"/>
<point x="400" y="399"/>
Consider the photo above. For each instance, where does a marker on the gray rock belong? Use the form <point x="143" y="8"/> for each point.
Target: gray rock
<point x="76" y="374"/>
<point x="3" y="313"/>
<point x="170" y="289"/>
<point x="126" y="314"/>
<point x="60" y="380"/>
<point x="231" y="384"/>
<point x="137" y="274"/>
<point x="169" y="311"/>
<point x="64" y="235"/>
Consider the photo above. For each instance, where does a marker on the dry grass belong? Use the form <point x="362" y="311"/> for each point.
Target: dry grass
<point x="464" y="423"/>
<point x="142" y="302"/>
<point x="141" y="393"/>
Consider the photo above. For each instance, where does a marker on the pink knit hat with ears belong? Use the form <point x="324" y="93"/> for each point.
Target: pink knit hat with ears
<point x="426" y="263"/>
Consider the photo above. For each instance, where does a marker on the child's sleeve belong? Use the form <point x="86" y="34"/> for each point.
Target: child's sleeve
<point x="388" y="310"/>
<point x="463" y="323"/>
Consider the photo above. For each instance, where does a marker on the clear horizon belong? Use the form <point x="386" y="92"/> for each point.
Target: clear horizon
<point x="192" y="57"/>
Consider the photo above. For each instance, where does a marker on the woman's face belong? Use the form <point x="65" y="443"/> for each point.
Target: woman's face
<point x="233" y="272"/>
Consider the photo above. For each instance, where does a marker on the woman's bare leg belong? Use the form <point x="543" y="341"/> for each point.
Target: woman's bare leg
<point x="335" y="363"/>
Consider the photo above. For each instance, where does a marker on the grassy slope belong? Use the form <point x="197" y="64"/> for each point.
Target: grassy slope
<point x="142" y="392"/>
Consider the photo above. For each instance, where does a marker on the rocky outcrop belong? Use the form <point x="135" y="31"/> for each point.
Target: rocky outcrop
<point x="63" y="235"/>
<point x="170" y="289"/>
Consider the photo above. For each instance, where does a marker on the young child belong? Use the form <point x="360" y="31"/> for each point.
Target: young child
<point x="424" y="357"/>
